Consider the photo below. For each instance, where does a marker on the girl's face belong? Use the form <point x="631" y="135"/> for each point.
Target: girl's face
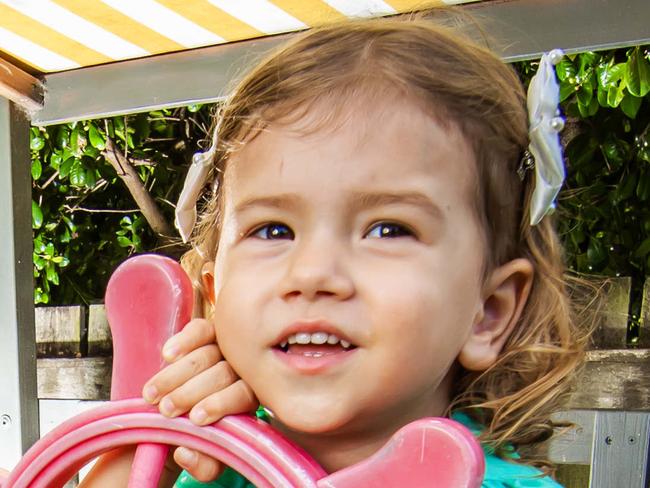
<point x="363" y="242"/>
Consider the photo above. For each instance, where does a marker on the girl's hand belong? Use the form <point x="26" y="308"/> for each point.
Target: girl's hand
<point x="200" y="381"/>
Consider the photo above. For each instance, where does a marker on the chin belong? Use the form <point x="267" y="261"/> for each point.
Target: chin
<point x="310" y="418"/>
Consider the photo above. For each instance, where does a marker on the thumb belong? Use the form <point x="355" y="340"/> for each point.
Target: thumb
<point x="201" y="467"/>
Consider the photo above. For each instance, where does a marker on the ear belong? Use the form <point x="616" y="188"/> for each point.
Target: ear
<point x="207" y="281"/>
<point x="505" y="293"/>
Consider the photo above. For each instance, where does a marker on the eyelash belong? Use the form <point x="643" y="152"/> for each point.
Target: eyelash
<point x="389" y="230"/>
<point x="269" y="227"/>
<point x="402" y="230"/>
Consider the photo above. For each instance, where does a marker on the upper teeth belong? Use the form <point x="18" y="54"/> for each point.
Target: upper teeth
<point x="315" y="338"/>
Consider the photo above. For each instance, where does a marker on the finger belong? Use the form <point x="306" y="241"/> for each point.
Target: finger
<point x="197" y="333"/>
<point x="198" y="387"/>
<point x="236" y="398"/>
<point x="202" y="468"/>
<point x="178" y="373"/>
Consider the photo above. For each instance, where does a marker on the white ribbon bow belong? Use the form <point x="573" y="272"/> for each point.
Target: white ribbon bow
<point x="194" y="182"/>
<point x="545" y="147"/>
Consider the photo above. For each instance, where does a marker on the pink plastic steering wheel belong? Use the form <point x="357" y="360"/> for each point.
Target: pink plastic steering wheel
<point x="148" y="299"/>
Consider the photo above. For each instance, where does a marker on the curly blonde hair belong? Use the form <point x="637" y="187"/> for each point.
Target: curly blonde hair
<point x="456" y="82"/>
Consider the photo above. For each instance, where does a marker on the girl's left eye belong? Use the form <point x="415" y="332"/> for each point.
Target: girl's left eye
<point x="273" y="231"/>
<point x="388" y="230"/>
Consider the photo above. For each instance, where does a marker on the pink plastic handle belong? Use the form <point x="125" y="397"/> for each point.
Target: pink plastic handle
<point x="148" y="299"/>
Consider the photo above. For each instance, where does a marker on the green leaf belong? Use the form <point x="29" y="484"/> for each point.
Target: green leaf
<point x="37" y="216"/>
<point x="40" y="296"/>
<point x="596" y="253"/>
<point x="51" y="274"/>
<point x="610" y="74"/>
<point x="91" y="178"/>
<point x="616" y="152"/>
<point x="615" y="94"/>
<point x="77" y="174"/>
<point x="643" y="187"/>
<point x="37" y="169"/>
<point x="39" y="262"/>
<point x="586" y="60"/>
<point x="565" y="70"/>
<point x="643" y="249"/>
<point x="64" y="169"/>
<point x="195" y="107"/>
<point x="36" y="143"/>
<point x="96" y="138"/>
<point x="62" y="137"/>
<point x="124" y="241"/>
<point x="637" y="73"/>
<point x="588" y="110"/>
<point x="630" y="105"/>
<point x="585" y="94"/>
<point x="55" y="159"/>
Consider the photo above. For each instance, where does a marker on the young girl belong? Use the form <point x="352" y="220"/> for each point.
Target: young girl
<point x="367" y="254"/>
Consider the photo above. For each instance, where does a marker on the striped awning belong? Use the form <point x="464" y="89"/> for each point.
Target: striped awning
<point x="60" y="35"/>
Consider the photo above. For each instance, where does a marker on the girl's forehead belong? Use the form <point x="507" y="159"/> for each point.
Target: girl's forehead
<point x="386" y="142"/>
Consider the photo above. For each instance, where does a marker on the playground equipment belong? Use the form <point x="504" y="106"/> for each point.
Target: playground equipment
<point x="149" y="298"/>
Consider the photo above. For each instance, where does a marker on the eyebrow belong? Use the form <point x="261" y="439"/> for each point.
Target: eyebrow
<point x="283" y="201"/>
<point x="358" y="201"/>
<point x="364" y="200"/>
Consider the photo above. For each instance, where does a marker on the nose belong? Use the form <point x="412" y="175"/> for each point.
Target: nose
<point x="316" y="269"/>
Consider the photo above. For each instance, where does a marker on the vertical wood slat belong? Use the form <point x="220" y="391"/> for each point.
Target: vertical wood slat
<point x="620" y="450"/>
<point x="644" y="332"/>
<point x="58" y="330"/>
<point x="611" y="331"/>
<point x="99" y="333"/>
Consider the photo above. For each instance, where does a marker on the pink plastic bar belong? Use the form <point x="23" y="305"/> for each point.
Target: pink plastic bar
<point x="148" y="299"/>
<point x="429" y="452"/>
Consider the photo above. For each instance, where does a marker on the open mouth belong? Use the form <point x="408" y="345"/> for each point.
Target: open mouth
<point x="315" y="344"/>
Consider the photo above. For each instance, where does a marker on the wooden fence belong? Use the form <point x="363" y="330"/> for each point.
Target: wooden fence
<point x="610" y="403"/>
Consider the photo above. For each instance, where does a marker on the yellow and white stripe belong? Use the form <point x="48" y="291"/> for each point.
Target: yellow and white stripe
<point x="58" y="35"/>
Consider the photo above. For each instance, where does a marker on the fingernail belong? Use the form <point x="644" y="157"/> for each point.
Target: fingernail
<point x="170" y="351"/>
<point x="150" y="393"/>
<point x="167" y="407"/>
<point x="198" y="416"/>
<point x="185" y="457"/>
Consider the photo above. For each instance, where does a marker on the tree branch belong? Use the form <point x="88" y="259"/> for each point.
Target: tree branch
<point x="142" y="197"/>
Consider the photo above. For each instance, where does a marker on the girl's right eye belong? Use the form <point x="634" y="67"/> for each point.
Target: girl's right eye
<point x="273" y="231"/>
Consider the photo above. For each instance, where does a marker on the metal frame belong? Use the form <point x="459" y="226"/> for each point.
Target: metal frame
<point x="18" y="397"/>
<point x="520" y="29"/>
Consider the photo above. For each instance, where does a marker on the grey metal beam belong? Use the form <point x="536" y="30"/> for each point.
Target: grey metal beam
<point x="18" y="402"/>
<point x="520" y="28"/>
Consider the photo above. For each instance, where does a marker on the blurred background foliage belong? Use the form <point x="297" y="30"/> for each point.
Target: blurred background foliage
<point x="604" y="205"/>
<point x="85" y="220"/>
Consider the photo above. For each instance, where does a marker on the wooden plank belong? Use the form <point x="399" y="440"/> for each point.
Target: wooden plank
<point x="74" y="378"/>
<point x="574" y="445"/>
<point x="644" y="331"/>
<point x="573" y="475"/>
<point x="99" y="334"/>
<point x="620" y="450"/>
<point x="615" y="379"/>
<point x="611" y="331"/>
<point x="58" y="330"/>
<point x="20" y="87"/>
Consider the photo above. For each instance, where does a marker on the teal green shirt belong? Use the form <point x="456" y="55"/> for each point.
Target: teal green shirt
<point x="499" y="473"/>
